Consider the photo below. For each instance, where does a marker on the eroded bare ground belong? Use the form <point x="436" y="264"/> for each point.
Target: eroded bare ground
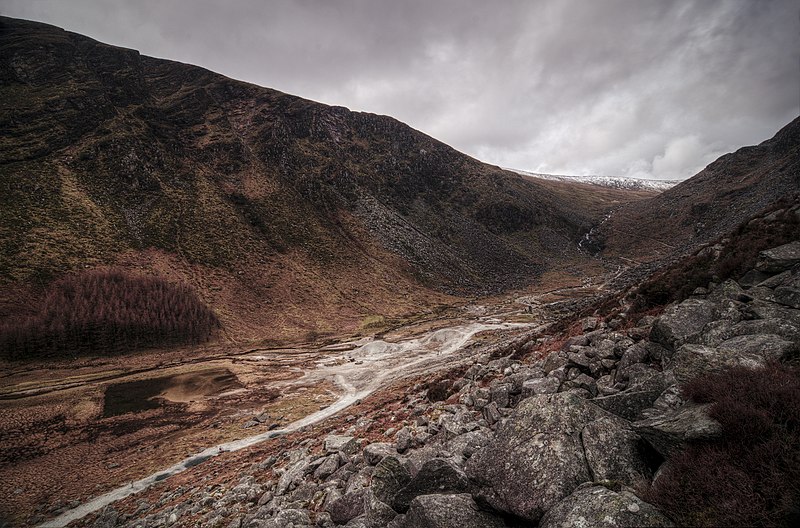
<point x="75" y="430"/>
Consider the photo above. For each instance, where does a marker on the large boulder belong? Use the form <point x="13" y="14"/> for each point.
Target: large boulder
<point x="750" y="351"/>
<point x="788" y="296"/>
<point x="640" y="395"/>
<point x="669" y="432"/>
<point x="779" y="259"/>
<point x="346" y="444"/>
<point x="598" y="507"/>
<point x="775" y="312"/>
<point x="536" y="457"/>
<point x="347" y="507"/>
<point x="614" y="452"/>
<point x="766" y="346"/>
<point x="446" y="511"/>
<point x="681" y="321"/>
<point x="439" y="476"/>
<point x="389" y="478"/>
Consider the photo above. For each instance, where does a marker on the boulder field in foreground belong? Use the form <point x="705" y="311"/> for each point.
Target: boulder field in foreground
<point x="562" y="441"/>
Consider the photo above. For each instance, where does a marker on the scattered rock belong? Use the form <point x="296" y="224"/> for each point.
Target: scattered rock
<point x="376" y="452"/>
<point x="389" y="478"/>
<point x="546" y="385"/>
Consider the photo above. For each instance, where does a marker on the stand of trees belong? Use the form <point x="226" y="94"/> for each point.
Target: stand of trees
<point x="107" y="312"/>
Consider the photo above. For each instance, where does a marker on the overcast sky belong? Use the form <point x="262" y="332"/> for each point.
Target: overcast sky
<point x="648" y="88"/>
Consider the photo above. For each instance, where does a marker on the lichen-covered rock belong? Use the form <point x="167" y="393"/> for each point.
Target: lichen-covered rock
<point x="750" y="351"/>
<point x="446" y="511"/>
<point x="669" y="432"/>
<point x="346" y="444"/>
<point x="546" y="385"/>
<point x="437" y="476"/>
<point x="329" y="465"/>
<point x="536" y="458"/>
<point x="500" y="394"/>
<point x="680" y="321"/>
<point x="600" y="507"/>
<point x="293" y="474"/>
<point x="377" y="514"/>
<point x="640" y="395"/>
<point x="767" y="346"/>
<point x="403" y="440"/>
<point x="614" y="452"/>
<point x="389" y="478"/>
<point x="468" y="444"/>
<point x="557" y="359"/>
<point x="347" y="507"/>
<point x="779" y="259"/>
<point x="377" y="451"/>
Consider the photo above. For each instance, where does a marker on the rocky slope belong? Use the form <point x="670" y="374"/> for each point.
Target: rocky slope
<point x="270" y="205"/>
<point x="728" y="192"/>
<point x="572" y="435"/>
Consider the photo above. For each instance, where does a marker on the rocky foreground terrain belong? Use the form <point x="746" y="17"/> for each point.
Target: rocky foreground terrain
<point x="563" y="431"/>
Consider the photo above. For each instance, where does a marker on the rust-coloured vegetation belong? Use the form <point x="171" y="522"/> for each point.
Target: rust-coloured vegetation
<point x="107" y="312"/>
<point x="750" y="476"/>
<point x="738" y="255"/>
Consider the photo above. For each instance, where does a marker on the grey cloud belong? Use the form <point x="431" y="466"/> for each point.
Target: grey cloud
<point x="653" y="88"/>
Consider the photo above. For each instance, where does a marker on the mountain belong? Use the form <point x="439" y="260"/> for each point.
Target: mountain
<point x="730" y="191"/>
<point x="614" y="182"/>
<point x="284" y="214"/>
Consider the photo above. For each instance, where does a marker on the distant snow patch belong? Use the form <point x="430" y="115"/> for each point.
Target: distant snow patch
<point x="614" y="182"/>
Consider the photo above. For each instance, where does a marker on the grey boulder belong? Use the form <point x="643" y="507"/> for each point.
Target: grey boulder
<point x="683" y="320"/>
<point x="669" y="432"/>
<point x="437" y="476"/>
<point x="445" y="511"/>
<point x="536" y="457"/>
<point x="614" y="452"/>
<point x="598" y="506"/>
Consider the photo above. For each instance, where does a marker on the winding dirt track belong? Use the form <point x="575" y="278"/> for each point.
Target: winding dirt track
<point x="359" y="372"/>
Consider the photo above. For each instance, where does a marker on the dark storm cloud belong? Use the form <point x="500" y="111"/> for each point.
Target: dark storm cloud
<point x="635" y="87"/>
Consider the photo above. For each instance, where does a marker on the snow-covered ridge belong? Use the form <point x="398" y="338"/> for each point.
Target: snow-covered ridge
<point x="615" y="182"/>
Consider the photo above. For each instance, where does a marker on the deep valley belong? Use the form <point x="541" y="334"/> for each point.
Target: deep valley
<point x="226" y="306"/>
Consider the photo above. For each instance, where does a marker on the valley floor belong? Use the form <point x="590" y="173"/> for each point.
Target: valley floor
<point x="76" y="430"/>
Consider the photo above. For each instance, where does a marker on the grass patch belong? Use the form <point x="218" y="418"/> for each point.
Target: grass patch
<point x="373" y="322"/>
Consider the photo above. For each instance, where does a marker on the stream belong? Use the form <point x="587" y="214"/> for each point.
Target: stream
<point x="359" y="372"/>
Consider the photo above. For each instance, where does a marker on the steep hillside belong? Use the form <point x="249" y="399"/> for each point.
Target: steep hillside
<point x="272" y="207"/>
<point x="730" y="191"/>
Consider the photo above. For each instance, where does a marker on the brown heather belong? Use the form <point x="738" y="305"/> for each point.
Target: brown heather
<point x="106" y="312"/>
<point x="739" y="254"/>
<point x="750" y="476"/>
